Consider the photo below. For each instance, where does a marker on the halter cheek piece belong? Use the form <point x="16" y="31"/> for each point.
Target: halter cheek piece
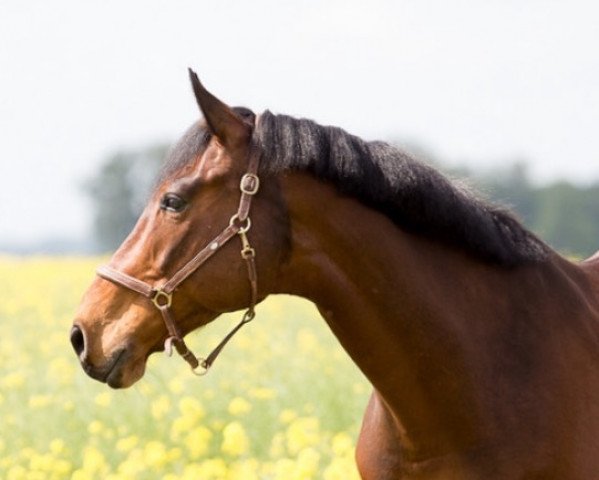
<point x="162" y="296"/>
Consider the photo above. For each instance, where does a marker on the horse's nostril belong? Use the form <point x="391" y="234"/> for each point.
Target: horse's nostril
<point x="77" y="340"/>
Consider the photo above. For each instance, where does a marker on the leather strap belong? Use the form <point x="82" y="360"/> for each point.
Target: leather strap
<point x="161" y="297"/>
<point x="196" y="262"/>
<point x="109" y="273"/>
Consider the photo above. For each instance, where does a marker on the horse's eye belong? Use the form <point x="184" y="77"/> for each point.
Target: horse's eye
<point x="172" y="203"/>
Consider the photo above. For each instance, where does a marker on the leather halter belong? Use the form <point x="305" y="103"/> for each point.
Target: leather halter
<point x="162" y="296"/>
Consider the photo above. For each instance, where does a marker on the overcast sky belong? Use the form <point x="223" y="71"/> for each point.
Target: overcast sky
<point x="478" y="81"/>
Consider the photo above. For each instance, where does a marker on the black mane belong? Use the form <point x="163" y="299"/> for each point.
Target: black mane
<point x="413" y="195"/>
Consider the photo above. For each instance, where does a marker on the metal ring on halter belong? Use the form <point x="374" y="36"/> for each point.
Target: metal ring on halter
<point x="242" y="228"/>
<point x="248" y="316"/>
<point x="161" y="295"/>
<point x="201" y="369"/>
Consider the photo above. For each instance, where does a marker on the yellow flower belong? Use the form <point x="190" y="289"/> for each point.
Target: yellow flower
<point x="197" y="441"/>
<point x="57" y="446"/>
<point x="155" y="454"/>
<point x="103" y="399"/>
<point x="41" y="463"/>
<point x="192" y="408"/>
<point x="302" y="433"/>
<point x="17" y="473"/>
<point x="61" y="468"/>
<point x="173" y="454"/>
<point x="39" y="401"/>
<point x="307" y="463"/>
<point x="161" y="407"/>
<point x="360" y="388"/>
<point x="341" y="469"/>
<point x="262" y="393"/>
<point x="191" y="472"/>
<point x="239" y="406"/>
<point x="146" y="389"/>
<point x="211" y="469"/>
<point x="342" y="445"/>
<point x="95" y="427"/>
<point x="61" y="370"/>
<point x="133" y="466"/>
<point x="284" y="469"/>
<point x="191" y="413"/>
<point x="176" y="386"/>
<point x="245" y="470"/>
<point x="277" y="445"/>
<point x="306" y="341"/>
<point x="13" y="380"/>
<point x="94" y="462"/>
<point x="235" y="440"/>
<point x="28" y="453"/>
<point x="287" y="415"/>
<point x="158" y="430"/>
<point x="127" y="443"/>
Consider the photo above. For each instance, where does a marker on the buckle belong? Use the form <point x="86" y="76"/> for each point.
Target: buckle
<point x="243" y="227"/>
<point x="249" y="184"/>
<point x="161" y="299"/>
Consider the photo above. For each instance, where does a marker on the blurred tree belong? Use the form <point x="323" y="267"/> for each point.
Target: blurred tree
<point x="119" y="191"/>
<point x="566" y="216"/>
<point x="511" y="186"/>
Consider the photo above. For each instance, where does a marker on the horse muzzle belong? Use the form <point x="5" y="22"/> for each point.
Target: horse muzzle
<point x="111" y="371"/>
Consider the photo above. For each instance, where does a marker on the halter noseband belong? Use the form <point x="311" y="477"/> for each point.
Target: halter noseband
<point x="162" y="296"/>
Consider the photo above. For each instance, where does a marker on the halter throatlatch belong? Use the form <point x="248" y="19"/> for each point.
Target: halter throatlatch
<point x="162" y="297"/>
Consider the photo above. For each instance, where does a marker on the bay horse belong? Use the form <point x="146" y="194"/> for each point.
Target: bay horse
<point x="481" y="343"/>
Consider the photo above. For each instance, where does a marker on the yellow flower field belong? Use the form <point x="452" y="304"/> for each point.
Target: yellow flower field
<point x="283" y="402"/>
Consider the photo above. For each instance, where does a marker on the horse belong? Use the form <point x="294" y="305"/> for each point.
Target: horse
<point x="481" y="342"/>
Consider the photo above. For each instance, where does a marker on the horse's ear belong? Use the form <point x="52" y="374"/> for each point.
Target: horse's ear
<point x="229" y="127"/>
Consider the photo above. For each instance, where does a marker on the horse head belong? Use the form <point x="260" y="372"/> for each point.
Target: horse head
<point x="181" y="267"/>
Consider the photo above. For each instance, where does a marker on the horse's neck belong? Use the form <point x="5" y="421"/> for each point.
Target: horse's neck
<point x="416" y="317"/>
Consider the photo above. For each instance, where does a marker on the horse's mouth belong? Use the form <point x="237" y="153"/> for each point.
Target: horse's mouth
<point x="123" y="369"/>
<point x="111" y="372"/>
<point x="114" y="374"/>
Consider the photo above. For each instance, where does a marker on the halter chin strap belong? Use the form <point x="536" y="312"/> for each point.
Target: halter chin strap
<point x="162" y="296"/>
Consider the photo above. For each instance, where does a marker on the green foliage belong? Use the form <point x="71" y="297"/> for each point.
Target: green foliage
<point x="119" y="191"/>
<point x="566" y="216"/>
<point x="512" y="186"/>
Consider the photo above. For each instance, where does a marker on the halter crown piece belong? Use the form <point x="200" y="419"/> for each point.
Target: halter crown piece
<point x="162" y="296"/>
